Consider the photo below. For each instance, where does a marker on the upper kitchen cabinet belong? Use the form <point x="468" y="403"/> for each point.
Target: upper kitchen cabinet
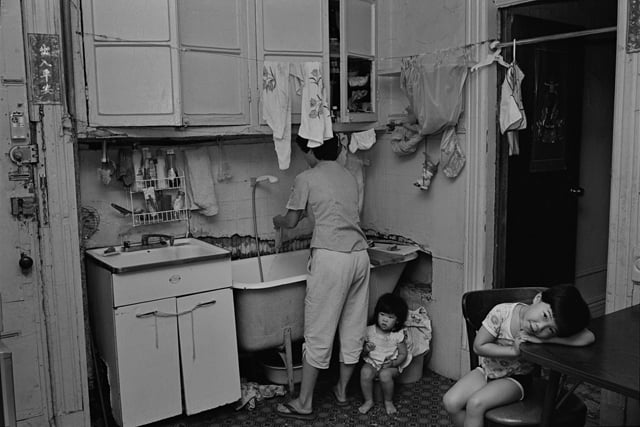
<point x="352" y="40"/>
<point x="168" y="63"/>
<point x="180" y="64"/>
<point x="217" y="61"/>
<point x="131" y="63"/>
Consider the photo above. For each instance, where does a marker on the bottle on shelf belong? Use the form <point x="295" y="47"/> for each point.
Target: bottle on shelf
<point x="172" y="172"/>
<point x="150" y="174"/>
<point x="161" y="170"/>
<point x="178" y="203"/>
<point x="138" y="170"/>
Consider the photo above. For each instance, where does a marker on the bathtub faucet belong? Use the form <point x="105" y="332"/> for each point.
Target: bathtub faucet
<point x="254" y="183"/>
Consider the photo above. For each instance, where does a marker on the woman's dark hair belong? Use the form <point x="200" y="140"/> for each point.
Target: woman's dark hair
<point x="569" y="309"/>
<point x="329" y="150"/>
<point x="392" y="304"/>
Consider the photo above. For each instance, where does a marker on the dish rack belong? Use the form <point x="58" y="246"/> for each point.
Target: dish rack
<point x="164" y="196"/>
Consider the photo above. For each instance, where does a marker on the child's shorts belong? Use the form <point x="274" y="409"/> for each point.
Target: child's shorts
<point x="524" y="382"/>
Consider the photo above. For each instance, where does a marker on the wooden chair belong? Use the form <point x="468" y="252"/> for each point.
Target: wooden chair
<point x="528" y="412"/>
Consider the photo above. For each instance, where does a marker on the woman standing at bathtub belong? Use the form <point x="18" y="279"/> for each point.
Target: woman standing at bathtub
<point x="337" y="293"/>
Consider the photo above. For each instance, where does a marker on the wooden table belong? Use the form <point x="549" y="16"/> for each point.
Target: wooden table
<point x="611" y="362"/>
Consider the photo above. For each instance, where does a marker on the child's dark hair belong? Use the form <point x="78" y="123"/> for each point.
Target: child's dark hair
<point x="569" y="309"/>
<point x="329" y="150"/>
<point x="392" y="304"/>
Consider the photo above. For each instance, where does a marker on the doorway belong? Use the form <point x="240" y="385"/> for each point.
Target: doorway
<point x="553" y="195"/>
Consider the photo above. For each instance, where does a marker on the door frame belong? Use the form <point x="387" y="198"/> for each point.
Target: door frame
<point x="624" y="218"/>
<point x="59" y="257"/>
<point x="563" y="175"/>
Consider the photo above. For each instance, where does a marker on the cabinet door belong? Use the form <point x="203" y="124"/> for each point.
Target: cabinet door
<point x="217" y="59"/>
<point x="358" y="65"/>
<point x="292" y="31"/>
<point x="147" y="362"/>
<point x="208" y="349"/>
<point x="131" y="62"/>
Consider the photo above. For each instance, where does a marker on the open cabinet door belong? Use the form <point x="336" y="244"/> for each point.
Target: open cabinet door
<point x="291" y="31"/>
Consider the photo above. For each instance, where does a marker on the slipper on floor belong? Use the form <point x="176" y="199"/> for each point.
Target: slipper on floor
<point x="337" y="401"/>
<point x="288" y="411"/>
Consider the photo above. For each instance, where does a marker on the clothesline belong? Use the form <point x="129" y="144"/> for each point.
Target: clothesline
<point x="108" y="38"/>
<point x="439" y="51"/>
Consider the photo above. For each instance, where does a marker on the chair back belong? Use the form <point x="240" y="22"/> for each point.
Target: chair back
<point x="477" y="304"/>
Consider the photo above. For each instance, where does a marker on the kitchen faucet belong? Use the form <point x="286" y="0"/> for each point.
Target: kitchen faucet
<point x="144" y="241"/>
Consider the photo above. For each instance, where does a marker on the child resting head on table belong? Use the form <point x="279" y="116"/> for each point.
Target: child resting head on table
<point x="558" y="315"/>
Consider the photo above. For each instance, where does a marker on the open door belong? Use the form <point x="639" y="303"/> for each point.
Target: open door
<point x="541" y="182"/>
<point x="553" y="197"/>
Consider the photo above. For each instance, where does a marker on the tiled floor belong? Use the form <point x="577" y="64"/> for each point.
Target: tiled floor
<point x="419" y="404"/>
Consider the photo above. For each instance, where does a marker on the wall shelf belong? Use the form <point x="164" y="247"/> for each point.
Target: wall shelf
<point x="159" y="198"/>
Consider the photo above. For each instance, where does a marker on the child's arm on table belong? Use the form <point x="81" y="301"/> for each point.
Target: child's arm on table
<point x="580" y="339"/>
<point x="485" y="345"/>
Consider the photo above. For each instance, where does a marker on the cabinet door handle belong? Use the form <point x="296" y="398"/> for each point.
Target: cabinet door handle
<point x="147" y="314"/>
<point x="204" y="304"/>
<point x="156" y="313"/>
<point x="180" y="313"/>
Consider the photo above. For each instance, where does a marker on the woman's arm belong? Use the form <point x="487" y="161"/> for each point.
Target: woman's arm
<point x="288" y="220"/>
<point x="485" y="345"/>
<point x="582" y="338"/>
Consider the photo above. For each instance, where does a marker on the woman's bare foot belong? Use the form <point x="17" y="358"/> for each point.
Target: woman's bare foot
<point x="368" y="404"/>
<point x="390" y="407"/>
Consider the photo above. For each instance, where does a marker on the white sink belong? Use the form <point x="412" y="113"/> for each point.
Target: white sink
<point x="186" y="250"/>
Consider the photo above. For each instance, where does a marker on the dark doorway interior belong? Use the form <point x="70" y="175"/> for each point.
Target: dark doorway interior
<point x="543" y="200"/>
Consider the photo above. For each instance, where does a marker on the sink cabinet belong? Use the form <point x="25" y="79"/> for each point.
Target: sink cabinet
<point x="167" y="336"/>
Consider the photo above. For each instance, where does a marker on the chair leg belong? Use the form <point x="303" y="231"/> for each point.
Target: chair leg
<point x="567" y="394"/>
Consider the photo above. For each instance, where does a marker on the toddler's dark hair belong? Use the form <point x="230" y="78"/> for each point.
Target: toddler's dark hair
<point x="569" y="309"/>
<point x="393" y="304"/>
<point x="329" y="150"/>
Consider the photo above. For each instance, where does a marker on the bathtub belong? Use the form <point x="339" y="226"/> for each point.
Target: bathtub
<point x="268" y="311"/>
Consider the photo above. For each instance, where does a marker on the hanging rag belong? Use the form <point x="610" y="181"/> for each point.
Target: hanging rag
<point x="362" y="140"/>
<point x="512" y="116"/>
<point x="429" y="169"/>
<point x="405" y="139"/>
<point x="276" y="108"/>
<point x="434" y="89"/>
<point x="125" y="172"/>
<point x="315" y="119"/>
<point x="200" y="189"/>
<point x="452" y="158"/>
